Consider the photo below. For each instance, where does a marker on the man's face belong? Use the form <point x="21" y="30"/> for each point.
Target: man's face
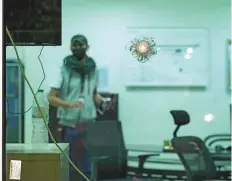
<point x="79" y="49"/>
<point x="77" y="44"/>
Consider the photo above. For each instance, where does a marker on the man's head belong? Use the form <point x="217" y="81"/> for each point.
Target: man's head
<point x="79" y="46"/>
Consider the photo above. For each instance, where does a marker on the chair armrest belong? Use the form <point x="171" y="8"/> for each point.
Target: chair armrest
<point x="142" y="160"/>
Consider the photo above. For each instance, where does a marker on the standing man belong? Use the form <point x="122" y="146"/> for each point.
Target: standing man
<point x="74" y="93"/>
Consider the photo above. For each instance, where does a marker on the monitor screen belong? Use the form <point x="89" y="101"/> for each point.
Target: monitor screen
<point x="33" y="22"/>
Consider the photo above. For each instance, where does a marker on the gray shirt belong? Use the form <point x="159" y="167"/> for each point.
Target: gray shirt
<point x="70" y="90"/>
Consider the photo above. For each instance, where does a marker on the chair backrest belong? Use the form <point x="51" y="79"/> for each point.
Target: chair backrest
<point x="181" y="118"/>
<point x="105" y="138"/>
<point x="195" y="157"/>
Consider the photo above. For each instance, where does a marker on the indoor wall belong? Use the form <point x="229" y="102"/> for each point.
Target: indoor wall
<point x="144" y="112"/>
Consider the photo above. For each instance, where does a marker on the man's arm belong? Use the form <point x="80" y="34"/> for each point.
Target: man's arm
<point x="55" y="101"/>
<point x="97" y="97"/>
<point x="53" y="96"/>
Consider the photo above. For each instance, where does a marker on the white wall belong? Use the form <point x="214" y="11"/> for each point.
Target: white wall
<point x="144" y="114"/>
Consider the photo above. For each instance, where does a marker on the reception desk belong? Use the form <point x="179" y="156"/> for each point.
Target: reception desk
<point x="39" y="162"/>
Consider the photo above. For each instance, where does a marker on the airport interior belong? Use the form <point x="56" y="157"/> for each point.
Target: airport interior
<point x="122" y="90"/>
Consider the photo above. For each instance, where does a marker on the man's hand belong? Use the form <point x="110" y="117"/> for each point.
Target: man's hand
<point x="76" y="104"/>
<point x="106" y="104"/>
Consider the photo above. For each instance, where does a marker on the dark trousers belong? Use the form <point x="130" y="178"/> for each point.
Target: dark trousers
<point x="77" y="152"/>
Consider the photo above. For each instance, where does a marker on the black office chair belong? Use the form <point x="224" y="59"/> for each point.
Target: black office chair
<point x="193" y="153"/>
<point x="214" y="142"/>
<point x="105" y="139"/>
